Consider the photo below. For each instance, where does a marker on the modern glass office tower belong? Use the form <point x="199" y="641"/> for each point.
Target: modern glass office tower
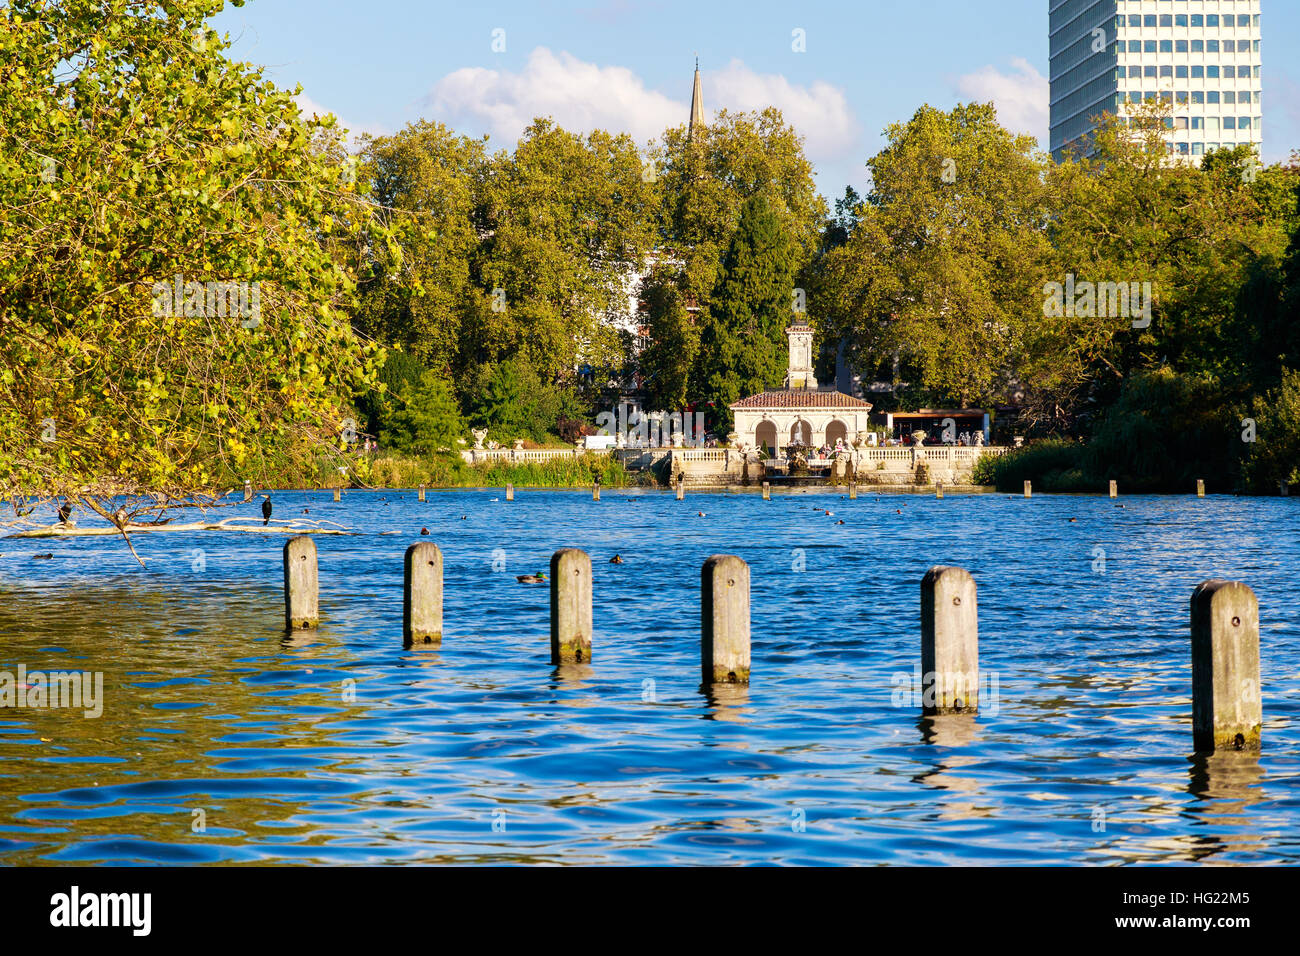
<point x="1200" y="56"/>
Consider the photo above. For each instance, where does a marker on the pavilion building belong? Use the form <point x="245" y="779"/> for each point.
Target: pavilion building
<point x="800" y="412"/>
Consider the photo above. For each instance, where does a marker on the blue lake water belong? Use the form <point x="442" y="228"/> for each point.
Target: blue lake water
<point x="221" y="743"/>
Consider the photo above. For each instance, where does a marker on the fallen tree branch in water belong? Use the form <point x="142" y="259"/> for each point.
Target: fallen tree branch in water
<point x="296" y="526"/>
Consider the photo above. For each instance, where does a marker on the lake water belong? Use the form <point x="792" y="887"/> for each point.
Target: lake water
<point x="221" y="743"/>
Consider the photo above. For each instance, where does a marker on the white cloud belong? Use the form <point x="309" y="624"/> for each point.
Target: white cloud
<point x="579" y="96"/>
<point x="582" y="96"/>
<point x="310" y="107"/>
<point x="820" y="112"/>
<point x="1022" y="96"/>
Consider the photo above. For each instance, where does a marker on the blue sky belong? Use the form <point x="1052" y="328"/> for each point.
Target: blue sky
<point x="627" y="64"/>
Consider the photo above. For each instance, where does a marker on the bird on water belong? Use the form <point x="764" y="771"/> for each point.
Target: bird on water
<point x="266" y="510"/>
<point x="538" y="578"/>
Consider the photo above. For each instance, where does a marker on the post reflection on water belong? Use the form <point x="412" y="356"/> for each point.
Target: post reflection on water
<point x="222" y="740"/>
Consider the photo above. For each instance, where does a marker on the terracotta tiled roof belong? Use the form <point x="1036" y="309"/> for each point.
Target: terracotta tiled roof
<point x="801" y="398"/>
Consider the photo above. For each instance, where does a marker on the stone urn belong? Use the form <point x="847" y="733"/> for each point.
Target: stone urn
<point x="519" y="444"/>
<point x="479" y="434"/>
<point x="918" y="450"/>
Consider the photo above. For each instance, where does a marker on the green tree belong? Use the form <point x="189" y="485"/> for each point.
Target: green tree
<point x="568" y="221"/>
<point x="428" y="186"/>
<point x="707" y="175"/>
<point x="1193" y="236"/>
<point x="673" y="349"/>
<point x="134" y="152"/>
<point x="399" y="373"/>
<point x="1274" y="455"/>
<point x="1164" y="431"/>
<point x="513" y="401"/>
<point x="1259" y="332"/>
<point x="428" y="421"/>
<point x="944" y="258"/>
<point x="741" y="341"/>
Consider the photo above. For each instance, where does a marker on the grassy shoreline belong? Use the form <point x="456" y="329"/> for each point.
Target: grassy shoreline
<point x="387" y="471"/>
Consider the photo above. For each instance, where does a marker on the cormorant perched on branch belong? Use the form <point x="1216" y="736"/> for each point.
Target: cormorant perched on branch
<point x="266" y="510"/>
<point x="65" y="511"/>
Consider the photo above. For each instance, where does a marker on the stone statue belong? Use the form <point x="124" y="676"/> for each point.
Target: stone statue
<point x="519" y="444"/>
<point x="479" y="434"/>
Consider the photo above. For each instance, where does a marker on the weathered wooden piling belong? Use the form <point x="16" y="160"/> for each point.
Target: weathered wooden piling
<point x="767" y="491"/>
<point x="570" y="606"/>
<point x="853" y="491"/>
<point x="595" y="491"/>
<point x="421" y="492"/>
<point x="510" y="492"/>
<point x="1114" y="488"/>
<point x="1200" y="487"/>
<point x="724" y="620"/>
<point x="949" y="642"/>
<point x="1227" y="709"/>
<point x="248" y="491"/>
<point x="938" y="489"/>
<point x="301" y="584"/>
<point x="338" y="494"/>
<point x="422" y="595"/>
<point x="681" y="489"/>
<point x="1029" y="489"/>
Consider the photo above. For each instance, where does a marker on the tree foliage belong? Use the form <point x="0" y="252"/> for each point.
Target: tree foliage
<point x="1194" y="234"/>
<point x="1273" y="456"/>
<point x="428" y="421"/>
<point x="707" y="175"/>
<point x="133" y="152"/>
<point x="427" y="185"/>
<point x="742" y="341"/>
<point x="674" y="343"/>
<point x="943" y="260"/>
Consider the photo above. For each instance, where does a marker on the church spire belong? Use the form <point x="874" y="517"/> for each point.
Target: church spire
<point x="697" y="101"/>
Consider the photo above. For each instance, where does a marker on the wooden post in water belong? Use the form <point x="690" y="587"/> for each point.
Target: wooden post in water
<point x="301" y="584"/>
<point x="422" y="595"/>
<point x="949" y="642"/>
<point x="938" y="489"/>
<point x="338" y="494"/>
<point x="1227" y="710"/>
<point x="724" y="620"/>
<point x="853" y="491"/>
<point x="767" y="491"/>
<point x="570" y="606"/>
<point x="421" y="492"/>
<point x="1114" y="488"/>
<point x="595" y="491"/>
<point x="510" y="492"/>
<point x="1029" y="489"/>
<point x="248" y="490"/>
<point x="681" y="488"/>
<point x="1200" y="487"/>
